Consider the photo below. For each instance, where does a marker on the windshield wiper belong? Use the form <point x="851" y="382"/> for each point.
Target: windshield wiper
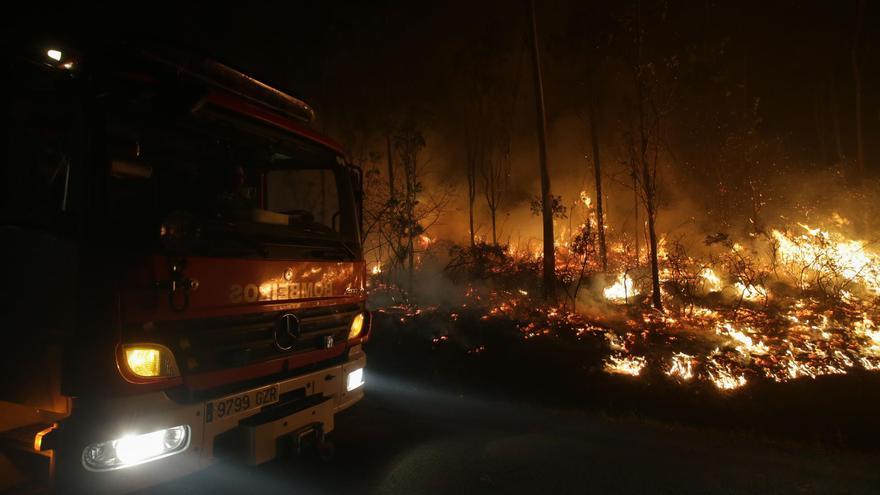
<point x="243" y="240"/>
<point x="347" y="249"/>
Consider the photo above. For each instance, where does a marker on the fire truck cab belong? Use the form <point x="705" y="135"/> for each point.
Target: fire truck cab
<point x="183" y="277"/>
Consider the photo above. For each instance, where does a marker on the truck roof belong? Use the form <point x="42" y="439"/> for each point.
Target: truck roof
<point x="243" y="94"/>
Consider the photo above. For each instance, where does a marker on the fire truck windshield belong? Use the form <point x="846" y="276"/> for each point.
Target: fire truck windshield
<point x="210" y="185"/>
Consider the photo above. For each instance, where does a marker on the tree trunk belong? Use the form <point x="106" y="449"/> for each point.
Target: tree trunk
<point x="821" y="126"/>
<point x="597" y="168"/>
<point x="648" y="185"/>
<point x="410" y="213"/>
<point x="493" y="213"/>
<point x="472" y="195"/>
<point x="637" y="229"/>
<point x="857" y="77"/>
<point x="390" y="155"/>
<point x="835" y="123"/>
<point x="656" y="299"/>
<point x="546" y="198"/>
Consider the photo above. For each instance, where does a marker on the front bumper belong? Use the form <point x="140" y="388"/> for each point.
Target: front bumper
<point x="248" y="436"/>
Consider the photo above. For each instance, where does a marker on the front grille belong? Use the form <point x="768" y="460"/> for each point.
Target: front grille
<point x="226" y="342"/>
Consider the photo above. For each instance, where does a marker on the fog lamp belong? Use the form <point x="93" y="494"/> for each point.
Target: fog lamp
<point x="132" y="450"/>
<point x="150" y="361"/>
<point x="357" y="324"/>
<point x="355" y="379"/>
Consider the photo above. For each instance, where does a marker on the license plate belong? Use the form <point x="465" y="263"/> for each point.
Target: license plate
<point x="237" y="404"/>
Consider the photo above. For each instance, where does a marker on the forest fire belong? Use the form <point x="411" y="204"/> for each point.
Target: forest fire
<point x="721" y="325"/>
<point x="716" y="251"/>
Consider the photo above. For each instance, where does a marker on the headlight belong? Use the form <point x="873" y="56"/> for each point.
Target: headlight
<point x="357" y="324"/>
<point x="355" y="379"/>
<point x="132" y="450"/>
<point x="150" y="361"/>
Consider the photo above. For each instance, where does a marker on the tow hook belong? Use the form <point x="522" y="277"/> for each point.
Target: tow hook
<point x="179" y="286"/>
<point x="311" y="441"/>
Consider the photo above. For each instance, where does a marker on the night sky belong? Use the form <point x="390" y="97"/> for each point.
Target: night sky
<point x="771" y="74"/>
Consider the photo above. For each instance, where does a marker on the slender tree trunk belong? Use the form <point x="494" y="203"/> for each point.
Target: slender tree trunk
<point x="656" y="298"/>
<point x="493" y="213"/>
<point x="390" y="155"/>
<point x="597" y="168"/>
<point x="472" y="195"/>
<point x="411" y="267"/>
<point x="471" y="219"/>
<point x="648" y="185"/>
<point x="650" y="204"/>
<point x="410" y="208"/>
<point x="546" y="197"/>
<point x="821" y="127"/>
<point x="835" y="123"/>
<point x="637" y="229"/>
<point x="857" y="77"/>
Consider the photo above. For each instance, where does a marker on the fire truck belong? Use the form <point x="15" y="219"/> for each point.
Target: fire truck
<point x="183" y="277"/>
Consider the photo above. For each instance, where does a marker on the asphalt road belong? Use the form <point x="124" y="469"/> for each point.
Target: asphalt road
<point x="407" y="439"/>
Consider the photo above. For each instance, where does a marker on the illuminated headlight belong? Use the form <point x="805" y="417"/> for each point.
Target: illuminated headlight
<point x="355" y="379"/>
<point x="132" y="450"/>
<point x="150" y="361"/>
<point x="357" y="325"/>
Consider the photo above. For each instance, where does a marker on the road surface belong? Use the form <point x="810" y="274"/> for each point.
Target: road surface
<point x="404" y="438"/>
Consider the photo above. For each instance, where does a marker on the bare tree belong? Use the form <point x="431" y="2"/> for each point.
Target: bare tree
<point x="597" y="169"/>
<point x="857" y="78"/>
<point x="472" y="164"/>
<point x="489" y="103"/>
<point x="835" y="123"/>
<point x="477" y="92"/>
<point x="646" y="141"/>
<point x="409" y="142"/>
<point x="546" y="206"/>
<point x="495" y="174"/>
<point x="389" y="156"/>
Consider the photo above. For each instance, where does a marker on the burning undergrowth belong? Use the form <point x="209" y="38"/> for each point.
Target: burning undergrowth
<point x="795" y="303"/>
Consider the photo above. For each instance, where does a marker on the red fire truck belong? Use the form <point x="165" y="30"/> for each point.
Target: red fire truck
<point x="183" y="277"/>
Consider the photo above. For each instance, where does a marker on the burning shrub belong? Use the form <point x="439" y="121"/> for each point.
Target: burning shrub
<point x="827" y="262"/>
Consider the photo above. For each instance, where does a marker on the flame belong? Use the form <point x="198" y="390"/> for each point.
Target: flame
<point x="586" y="200"/>
<point x="621" y="290"/>
<point x="724" y="376"/>
<point x="825" y="255"/>
<point x="802" y="335"/>
<point x="682" y="366"/>
<point x="751" y="292"/>
<point x="625" y="365"/>
<point x="711" y="281"/>
<point x="746" y="345"/>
